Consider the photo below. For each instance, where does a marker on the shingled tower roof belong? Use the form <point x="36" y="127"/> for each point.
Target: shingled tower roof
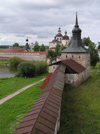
<point x="76" y="45"/>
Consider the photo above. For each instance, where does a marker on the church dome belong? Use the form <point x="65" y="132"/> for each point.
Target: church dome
<point x="27" y="39"/>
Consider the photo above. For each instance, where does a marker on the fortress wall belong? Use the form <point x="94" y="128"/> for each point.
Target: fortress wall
<point x="24" y="56"/>
<point x="44" y="116"/>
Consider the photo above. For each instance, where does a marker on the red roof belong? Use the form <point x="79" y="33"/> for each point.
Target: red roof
<point x="20" y="51"/>
<point x="65" y="37"/>
<point x="52" y="47"/>
<point x="74" y="65"/>
<point x="78" y="68"/>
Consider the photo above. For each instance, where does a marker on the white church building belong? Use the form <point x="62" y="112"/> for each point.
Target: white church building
<point x="59" y="38"/>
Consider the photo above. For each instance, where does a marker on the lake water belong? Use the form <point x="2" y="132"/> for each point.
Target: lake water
<point x="5" y="72"/>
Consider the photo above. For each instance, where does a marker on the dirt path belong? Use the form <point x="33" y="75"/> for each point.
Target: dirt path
<point x="18" y="92"/>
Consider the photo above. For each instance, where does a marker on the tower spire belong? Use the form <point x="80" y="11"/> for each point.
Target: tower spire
<point x="76" y="45"/>
<point x="76" y="23"/>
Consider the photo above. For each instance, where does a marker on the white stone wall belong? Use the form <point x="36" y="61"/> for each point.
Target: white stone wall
<point x="25" y="56"/>
<point x="65" y="42"/>
<point x="52" y="44"/>
<point x="52" y="68"/>
<point x="59" y="38"/>
<point x="57" y="126"/>
<point x="76" y="79"/>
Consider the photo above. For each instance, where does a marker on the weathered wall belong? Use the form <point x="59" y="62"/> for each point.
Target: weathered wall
<point x="52" y="68"/>
<point x="24" y="56"/>
<point x="81" y="58"/>
<point x="76" y="79"/>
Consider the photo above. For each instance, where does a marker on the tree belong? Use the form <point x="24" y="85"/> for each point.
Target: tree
<point x="15" y="45"/>
<point x="94" y="57"/>
<point x="36" y="46"/>
<point x="57" y="49"/>
<point x="51" y="55"/>
<point x="98" y="46"/>
<point x="86" y="41"/>
<point x="70" y="42"/>
<point x="63" y="47"/>
<point x="42" y="47"/>
<point x="14" y="61"/>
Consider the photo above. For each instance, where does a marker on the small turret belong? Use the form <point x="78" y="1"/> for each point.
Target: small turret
<point x="27" y="40"/>
<point x="65" y="32"/>
<point x="59" y="33"/>
<point x="27" y="48"/>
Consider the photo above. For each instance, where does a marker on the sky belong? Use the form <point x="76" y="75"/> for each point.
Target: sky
<point x="39" y="20"/>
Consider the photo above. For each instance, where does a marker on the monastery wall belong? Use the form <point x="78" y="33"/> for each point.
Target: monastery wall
<point x="25" y="55"/>
<point x="44" y="116"/>
<point x="76" y="79"/>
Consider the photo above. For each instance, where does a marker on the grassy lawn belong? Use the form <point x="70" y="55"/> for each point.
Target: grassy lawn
<point x="13" y="111"/>
<point x="10" y="85"/>
<point x="80" y="111"/>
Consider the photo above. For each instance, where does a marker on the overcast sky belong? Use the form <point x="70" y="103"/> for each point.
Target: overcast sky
<point x="39" y="20"/>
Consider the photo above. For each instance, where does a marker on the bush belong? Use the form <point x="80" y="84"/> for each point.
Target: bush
<point x="41" y="67"/>
<point x="26" y="69"/>
<point x="31" y="68"/>
<point x="14" y="62"/>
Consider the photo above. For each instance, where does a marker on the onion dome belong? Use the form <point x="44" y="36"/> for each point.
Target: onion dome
<point x="59" y="33"/>
<point x="27" y="39"/>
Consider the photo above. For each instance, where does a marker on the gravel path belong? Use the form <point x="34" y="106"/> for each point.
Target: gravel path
<point x="18" y="92"/>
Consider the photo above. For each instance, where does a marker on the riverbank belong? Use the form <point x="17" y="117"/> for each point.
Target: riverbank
<point x="4" y="62"/>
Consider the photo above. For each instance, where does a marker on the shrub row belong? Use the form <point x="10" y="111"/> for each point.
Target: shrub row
<point x="28" y="68"/>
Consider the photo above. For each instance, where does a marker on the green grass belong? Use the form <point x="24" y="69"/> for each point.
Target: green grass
<point x="4" y="62"/>
<point x="10" y="85"/>
<point x="80" y="111"/>
<point x="13" y="111"/>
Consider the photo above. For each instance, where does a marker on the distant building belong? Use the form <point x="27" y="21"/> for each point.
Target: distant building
<point x="59" y="38"/>
<point x="31" y="46"/>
